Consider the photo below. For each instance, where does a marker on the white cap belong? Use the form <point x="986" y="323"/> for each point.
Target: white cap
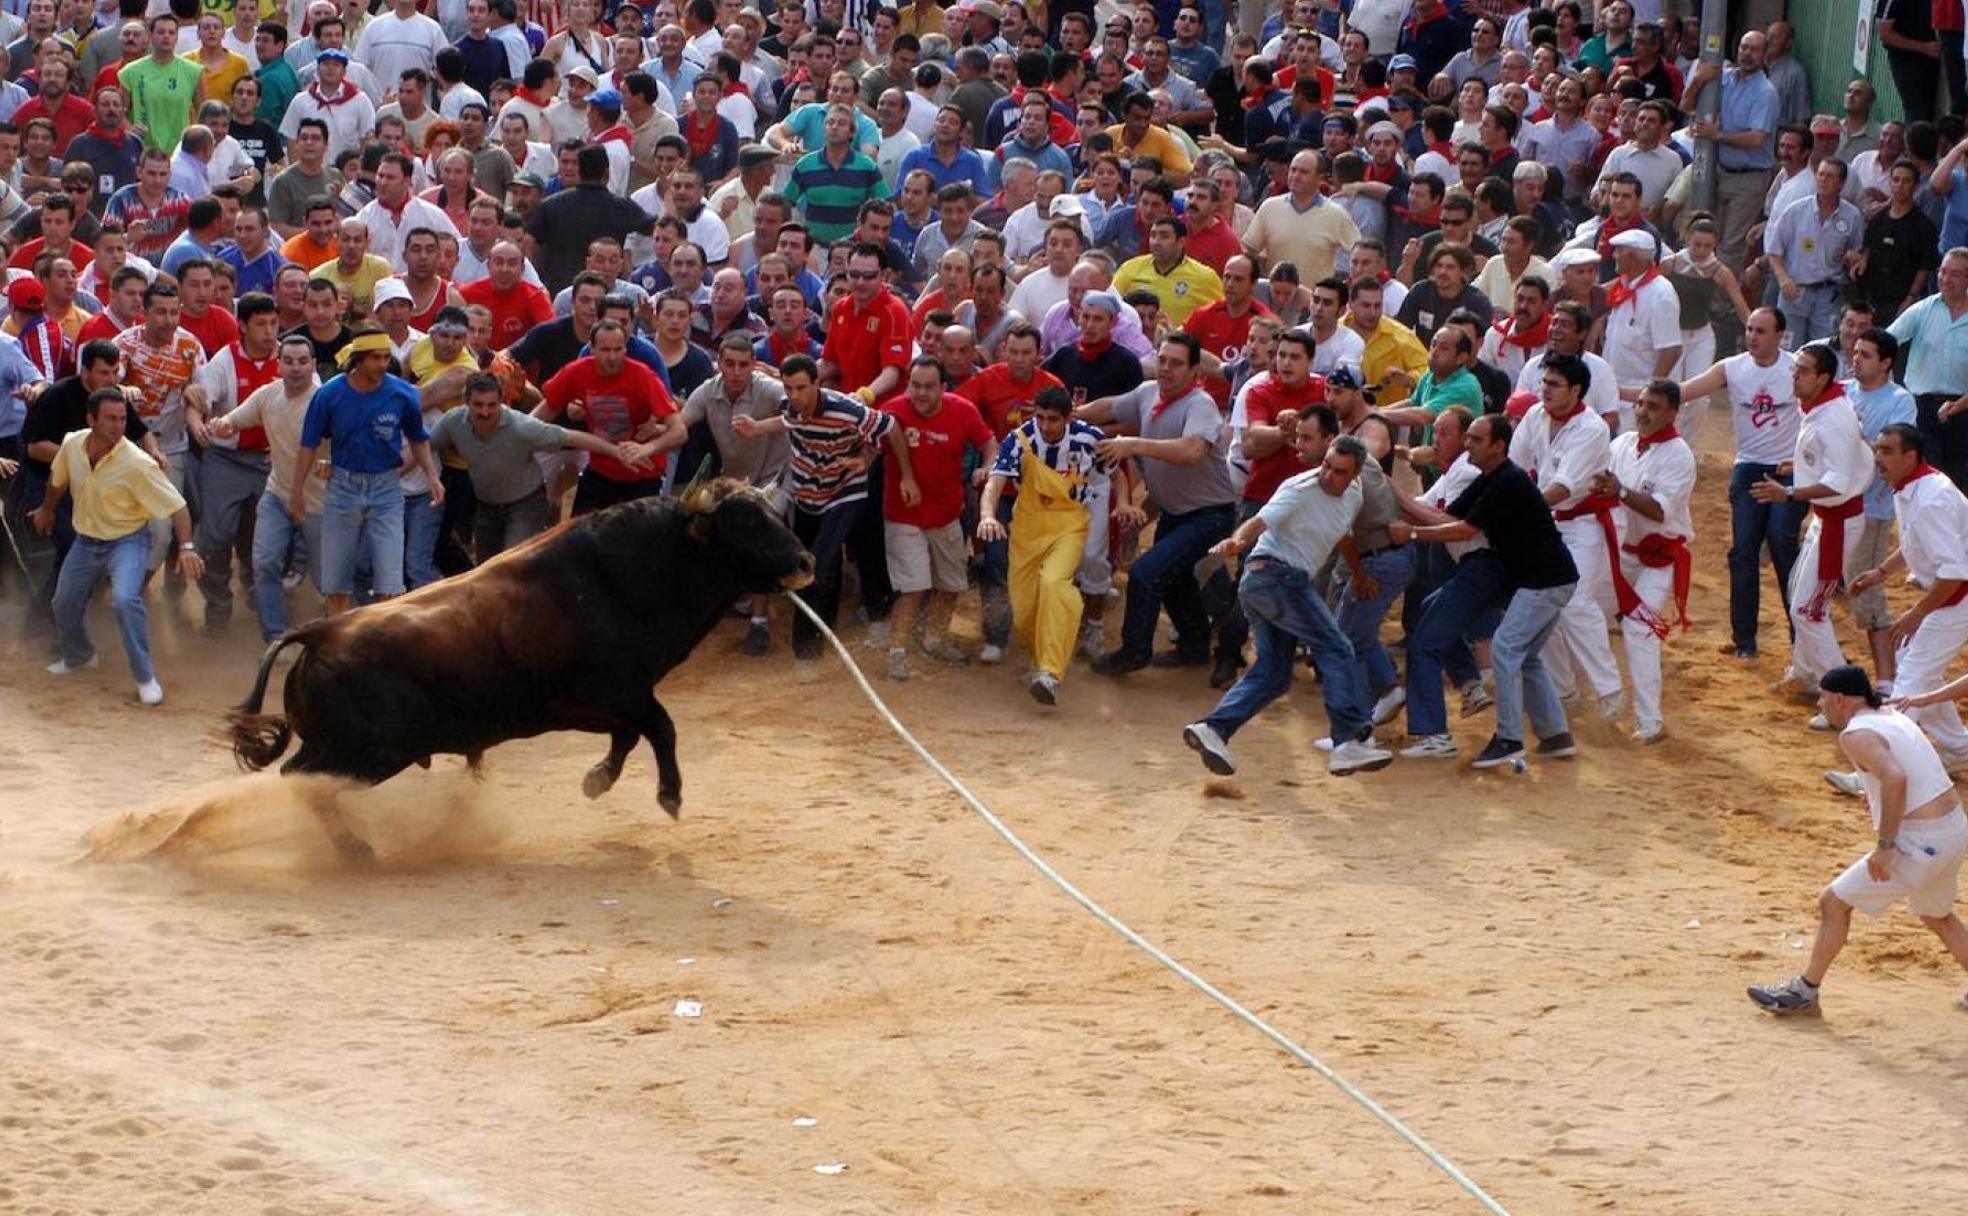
<point x="1568" y="258"/>
<point x="1066" y="203"/>
<point x="1635" y="238"/>
<point x="387" y="290"/>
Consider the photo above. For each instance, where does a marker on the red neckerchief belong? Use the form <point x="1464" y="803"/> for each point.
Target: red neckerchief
<point x="1618" y="292"/>
<point x="1610" y="228"/>
<point x="1530" y="339"/>
<point x="1835" y="391"/>
<point x="1663" y="435"/>
<point x="617" y="134"/>
<point x="781" y="351"/>
<point x="348" y="94"/>
<point x="1091" y="351"/>
<point x="107" y="136"/>
<point x="1443" y="148"/>
<point x="701" y="134"/>
<point x="1919" y="471"/>
<point x="526" y="94"/>
<point x="1162" y="403"/>
<point x="737" y="89"/>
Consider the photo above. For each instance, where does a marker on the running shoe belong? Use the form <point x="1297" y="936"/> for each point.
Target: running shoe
<point x="1431" y="747"/>
<point x="1044" y="688"/>
<point x="62" y="667"/>
<point x="758" y="639"/>
<point x="990" y="654"/>
<point x="1355" y="756"/>
<point x="1475" y="698"/>
<point x="898" y="663"/>
<point x="1792" y="996"/>
<point x="1389" y="705"/>
<point x="1205" y="742"/>
<point x="1558" y="746"/>
<point x="1499" y="752"/>
<point x="1849" y="784"/>
<point x="150" y="692"/>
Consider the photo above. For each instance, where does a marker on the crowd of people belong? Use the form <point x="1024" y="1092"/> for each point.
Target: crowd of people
<point x="1298" y="316"/>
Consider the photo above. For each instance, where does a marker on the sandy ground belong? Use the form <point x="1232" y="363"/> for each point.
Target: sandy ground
<point x="487" y="1023"/>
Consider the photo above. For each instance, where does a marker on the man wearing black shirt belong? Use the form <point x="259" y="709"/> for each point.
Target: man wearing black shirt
<point x="1526" y="570"/>
<point x="323" y="329"/>
<point x="1096" y="367"/>
<point x="576" y="218"/>
<point x="1902" y="248"/>
<point x="61" y="408"/>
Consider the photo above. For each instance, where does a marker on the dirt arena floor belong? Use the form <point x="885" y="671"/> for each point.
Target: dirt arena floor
<point x="1543" y="973"/>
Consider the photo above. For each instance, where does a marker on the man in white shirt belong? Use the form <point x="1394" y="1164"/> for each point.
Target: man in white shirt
<point x="1516" y="339"/>
<point x="394" y="42"/>
<point x="395" y="211"/>
<point x="1038" y="291"/>
<point x="1333" y="344"/>
<point x="1652" y="478"/>
<point x="1646" y="157"/>
<point x="1563" y="446"/>
<point x="1933" y="552"/>
<point x="1830" y="472"/>
<point x="1643" y="320"/>
<point x="1571" y="321"/>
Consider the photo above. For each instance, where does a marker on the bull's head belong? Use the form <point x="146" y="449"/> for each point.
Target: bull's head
<point x="740" y="523"/>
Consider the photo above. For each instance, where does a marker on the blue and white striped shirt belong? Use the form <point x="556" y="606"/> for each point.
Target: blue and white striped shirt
<point x="1073" y="457"/>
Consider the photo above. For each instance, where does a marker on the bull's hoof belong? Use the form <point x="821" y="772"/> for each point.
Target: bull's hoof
<point x="599" y="780"/>
<point x="671" y="801"/>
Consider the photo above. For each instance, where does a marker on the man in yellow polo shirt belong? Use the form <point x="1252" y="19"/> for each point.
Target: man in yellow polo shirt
<point x="1138" y="136"/>
<point x="118" y="491"/>
<point x="1179" y="281"/>
<point x="1394" y="358"/>
<point x="354" y="269"/>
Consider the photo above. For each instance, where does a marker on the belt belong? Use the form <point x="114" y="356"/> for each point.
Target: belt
<point x="1259" y="563"/>
<point x="1815" y="286"/>
<point x="1378" y="549"/>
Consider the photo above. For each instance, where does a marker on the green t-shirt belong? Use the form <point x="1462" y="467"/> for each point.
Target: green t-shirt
<point x="160" y="98"/>
<point x="1460" y="387"/>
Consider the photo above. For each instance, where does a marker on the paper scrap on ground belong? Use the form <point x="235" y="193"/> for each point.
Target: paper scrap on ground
<point x="1693" y="923"/>
<point x="722" y="902"/>
<point x="805" y="1121"/>
<point x="690" y="1009"/>
<point x="831" y="1167"/>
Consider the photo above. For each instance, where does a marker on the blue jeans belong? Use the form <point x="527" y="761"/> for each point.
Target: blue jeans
<point x="1752" y="525"/>
<point x="277" y="541"/>
<point x="125" y="560"/>
<point x="1166" y="574"/>
<point x="1522" y="682"/>
<point x="362" y="518"/>
<point x="1464" y="607"/>
<point x="421" y="525"/>
<point x="1812" y="315"/>
<point x="1284" y="610"/>
<point x="1360" y="620"/>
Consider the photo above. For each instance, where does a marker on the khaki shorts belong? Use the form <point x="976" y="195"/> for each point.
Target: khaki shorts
<point x="1924" y="872"/>
<point x="924" y="559"/>
<point x="1869" y="609"/>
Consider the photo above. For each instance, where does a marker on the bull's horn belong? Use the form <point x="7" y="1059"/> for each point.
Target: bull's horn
<point x="698" y="480"/>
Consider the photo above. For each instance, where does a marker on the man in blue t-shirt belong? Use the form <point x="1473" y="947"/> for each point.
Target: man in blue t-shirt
<point x="366" y="414"/>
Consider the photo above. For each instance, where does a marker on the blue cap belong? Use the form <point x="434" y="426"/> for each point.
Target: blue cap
<point x="331" y="52"/>
<point x="1403" y="61"/>
<point x="607" y="99"/>
<point x="1103" y="300"/>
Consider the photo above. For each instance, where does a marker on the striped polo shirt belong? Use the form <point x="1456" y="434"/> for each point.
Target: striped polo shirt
<point x="824" y="472"/>
<point x="830" y="196"/>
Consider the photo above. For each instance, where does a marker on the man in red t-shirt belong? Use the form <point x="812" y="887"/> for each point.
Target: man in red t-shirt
<point x="868" y="332"/>
<point x="1223" y="326"/>
<point x="927" y="556"/>
<point x="1290" y="387"/>
<point x="1211" y="239"/>
<point x="213" y="326"/>
<point x="609" y="395"/>
<point x="515" y="304"/>
<point x="57" y="233"/>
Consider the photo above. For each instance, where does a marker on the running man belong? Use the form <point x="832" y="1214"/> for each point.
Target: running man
<point x="1921" y="832"/>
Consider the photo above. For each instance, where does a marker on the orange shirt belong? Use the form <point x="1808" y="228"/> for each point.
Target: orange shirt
<point x="301" y="250"/>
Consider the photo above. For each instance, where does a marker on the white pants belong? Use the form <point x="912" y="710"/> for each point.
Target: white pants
<point x="1814" y="648"/>
<point x="1579" y="646"/>
<point x="1923" y="663"/>
<point x="1697" y="356"/>
<point x="1655" y="587"/>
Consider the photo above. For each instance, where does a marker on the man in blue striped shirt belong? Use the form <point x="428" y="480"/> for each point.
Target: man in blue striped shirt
<point x="830" y="185"/>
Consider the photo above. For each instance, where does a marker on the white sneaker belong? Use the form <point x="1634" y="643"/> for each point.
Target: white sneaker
<point x="1093" y="641"/>
<point x="150" y="692"/>
<point x="1043" y="687"/>
<point x="1475" y="698"/>
<point x="1389" y="704"/>
<point x="1431" y="747"/>
<point x="898" y="663"/>
<point x="1355" y="756"/>
<point x="990" y="654"/>
<point x="1850" y="784"/>
<point x="1647" y="736"/>
<point x="1611" y="706"/>
<point x="291" y="580"/>
<point x="62" y="667"/>
<point x="878" y="635"/>
<point x="1324" y="745"/>
<point x="1205" y="742"/>
<point x="806" y="671"/>
<point x="1819" y="722"/>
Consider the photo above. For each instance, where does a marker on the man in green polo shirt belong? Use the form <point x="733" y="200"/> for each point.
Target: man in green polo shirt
<point x="829" y="186"/>
<point x="1448" y="381"/>
<point x="161" y="87"/>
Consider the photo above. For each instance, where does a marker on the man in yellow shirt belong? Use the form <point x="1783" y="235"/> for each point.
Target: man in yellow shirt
<point x="118" y="491"/>
<point x="1138" y="136"/>
<point x="1394" y="358"/>
<point x="355" y="268"/>
<point x="439" y="366"/>
<point x="1179" y="281"/>
<point x="1302" y="226"/>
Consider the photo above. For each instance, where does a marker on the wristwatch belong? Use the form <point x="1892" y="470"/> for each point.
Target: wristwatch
<point x="1888" y="843"/>
<point x="187" y="547"/>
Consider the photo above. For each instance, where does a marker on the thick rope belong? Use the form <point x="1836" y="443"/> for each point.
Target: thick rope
<point x="1143" y="944"/>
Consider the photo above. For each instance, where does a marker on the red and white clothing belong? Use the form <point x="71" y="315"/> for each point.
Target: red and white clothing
<point x="1654" y="557"/>
<point x="423" y="319"/>
<point x="614" y="407"/>
<point x="1508" y="346"/>
<point x="1571" y="453"/>
<point x="1831" y="452"/>
<point x="862" y="342"/>
<point x="389" y="225"/>
<point x="513" y="312"/>
<point x="160" y="375"/>
<point x="1643" y="318"/>
<point x="230" y="378"/>
<point x="1459" y="476"/>
<point x="349" y="113"/>
<point x="1601" y="396"/>
<point x="936" y="459"/>
<point x="1933" y="519"/>
<point x="1762" y="407"/>
<point x="1926" y="868"/>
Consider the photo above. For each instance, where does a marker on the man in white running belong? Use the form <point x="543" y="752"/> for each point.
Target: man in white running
<point x="1922" y="836"/>
<point x="1933" y="551"/>
<point x="1653" y="480"/>
<point x="1830" y="471"/>
<point x="1563" y="447"/>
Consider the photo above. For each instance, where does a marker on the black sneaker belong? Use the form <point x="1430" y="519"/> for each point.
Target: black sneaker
<point x="758" y="639"/>
<point x="1793" y="995"/>
<point x="1500" y="751"/>
<point x="1176" y="658"/>
<point x="1224" y="674"/>
<point x="1117" y="663"/>
<point x="1558" y="746"/>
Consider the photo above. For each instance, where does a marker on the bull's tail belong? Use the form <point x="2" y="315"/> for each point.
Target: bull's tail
<point x="258" y="738"/>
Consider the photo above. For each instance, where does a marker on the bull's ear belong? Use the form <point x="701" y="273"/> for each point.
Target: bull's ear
<point x="689" y="496"/>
